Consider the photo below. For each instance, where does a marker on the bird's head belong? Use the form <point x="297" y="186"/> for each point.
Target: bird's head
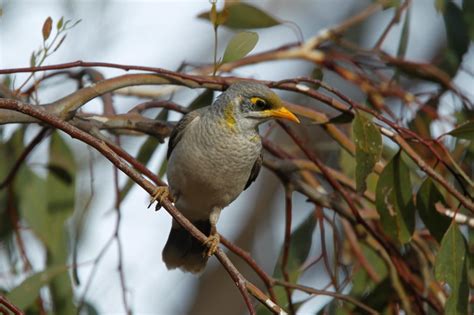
<point x="248" y="104"/>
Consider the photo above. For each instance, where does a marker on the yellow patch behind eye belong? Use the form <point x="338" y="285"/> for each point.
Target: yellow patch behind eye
<point x="254" y="100"/>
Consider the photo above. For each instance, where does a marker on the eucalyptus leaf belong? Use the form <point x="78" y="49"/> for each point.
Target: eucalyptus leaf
<point x="47" y="27"/>
<point x="26" y="293"/>
<point x="145" y="153"/>
<point x="343" y="118"/>
<point x="204" y="99"/>
<point x="464" y="131"/>
<point x="362" y="284"/>
<point x="394" y="200"/>
<point x="9" y="153"/>
<point x="451" y="268"/>
<point x="239" y="46"/>
<point x="241" y="15"/>
<point x="60" y="206"/>
<point x="404" y="36"/>
<point x="368" y="142"/>
<point x="427" y="197"/>
<point x="457" y="36"/>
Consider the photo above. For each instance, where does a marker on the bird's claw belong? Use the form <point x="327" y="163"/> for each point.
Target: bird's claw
<point x="162" y="193"/>
<point x="212" y="243"/>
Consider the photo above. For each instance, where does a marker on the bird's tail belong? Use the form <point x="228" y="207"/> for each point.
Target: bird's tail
<point x="183" y="251"/>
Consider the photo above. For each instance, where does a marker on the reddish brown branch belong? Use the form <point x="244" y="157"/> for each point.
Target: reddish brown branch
<point x="9" y="307"/>
<point x="267" y="280"/>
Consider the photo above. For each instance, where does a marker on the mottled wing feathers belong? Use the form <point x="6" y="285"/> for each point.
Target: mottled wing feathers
<point x="178" y="130"/>
<point x="255" y="170"/>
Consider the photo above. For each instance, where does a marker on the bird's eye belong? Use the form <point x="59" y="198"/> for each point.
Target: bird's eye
<point x="259" y="103"/>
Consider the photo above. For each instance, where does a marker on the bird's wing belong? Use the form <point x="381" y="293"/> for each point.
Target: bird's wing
<point x="255" y="170"/>
<point x="178" y="130"/>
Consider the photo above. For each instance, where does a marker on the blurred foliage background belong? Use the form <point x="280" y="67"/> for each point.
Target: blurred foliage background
<point x="366" y="207"/>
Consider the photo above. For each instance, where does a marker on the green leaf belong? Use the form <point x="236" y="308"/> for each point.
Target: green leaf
<point x="33" y="202"/>
<point x="33" y="59"/>
<point x="60" y="198"/>
<point x="300" y="245"/>
<point x="47" y="27"/>
<point x="145" y="153"/>
<point x="394" y="200"/>
<point x="239" y="46"/>
<point x="405" y="34"/>
<point x="344" y="118"/>
<point x="464" y="131"/>
<point x="362" y="284"/>
<point x="9" y="153"/>
<point x="46" y="204"/>
<point x="426" y="199"/>
<point x="368" y="142"/>
<point x="61" y="41"/>
<point x="379" y="298"/>
<point x="451" y="268"/>
<point x="60" y="23"/>
<point x="61" y="173"/>
<point x="204" y="99"/>
<point x="244" y="15"/>
<point x="26" y="293"/>
<point x="457" y="36"/>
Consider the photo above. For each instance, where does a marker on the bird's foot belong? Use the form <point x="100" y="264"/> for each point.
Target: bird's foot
<point x="212" y="243"/>
<point x="162" y="193"/>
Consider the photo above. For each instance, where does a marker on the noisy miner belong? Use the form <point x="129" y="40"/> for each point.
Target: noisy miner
<point x="214" y="153"/>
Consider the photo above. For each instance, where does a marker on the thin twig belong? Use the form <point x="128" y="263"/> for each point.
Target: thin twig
<point x="327" y="293"/>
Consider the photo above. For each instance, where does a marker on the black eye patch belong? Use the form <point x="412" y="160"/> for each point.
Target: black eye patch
<point x="259" y="103"/>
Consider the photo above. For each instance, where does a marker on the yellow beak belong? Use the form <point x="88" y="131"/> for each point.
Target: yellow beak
<point x="282" y="112"/>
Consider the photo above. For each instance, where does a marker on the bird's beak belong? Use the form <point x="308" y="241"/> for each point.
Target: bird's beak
<point x="282" y="112"/>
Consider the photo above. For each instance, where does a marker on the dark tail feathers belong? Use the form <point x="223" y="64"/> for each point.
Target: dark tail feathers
<point x="183" y="251"/>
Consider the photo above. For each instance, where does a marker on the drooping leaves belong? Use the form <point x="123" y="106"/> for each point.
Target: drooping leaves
<point x="426" y="199"/>
<point x="239" y="46"/>
<point x="46" y="204"/>
<point x="242" y="16"/>
<point x="394" y="200"/>
<point x="451" y="268"/>
<point x="368" y="142"/>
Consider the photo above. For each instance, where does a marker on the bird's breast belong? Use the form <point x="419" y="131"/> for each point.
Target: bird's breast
<point x="210" y="166"/>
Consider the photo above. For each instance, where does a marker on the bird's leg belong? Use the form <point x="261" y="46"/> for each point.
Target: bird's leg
<point x="160" y="195"/>
<point x="213" y="240"/>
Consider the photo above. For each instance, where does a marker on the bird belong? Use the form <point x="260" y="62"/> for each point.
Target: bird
<point x="214" y="154"/>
